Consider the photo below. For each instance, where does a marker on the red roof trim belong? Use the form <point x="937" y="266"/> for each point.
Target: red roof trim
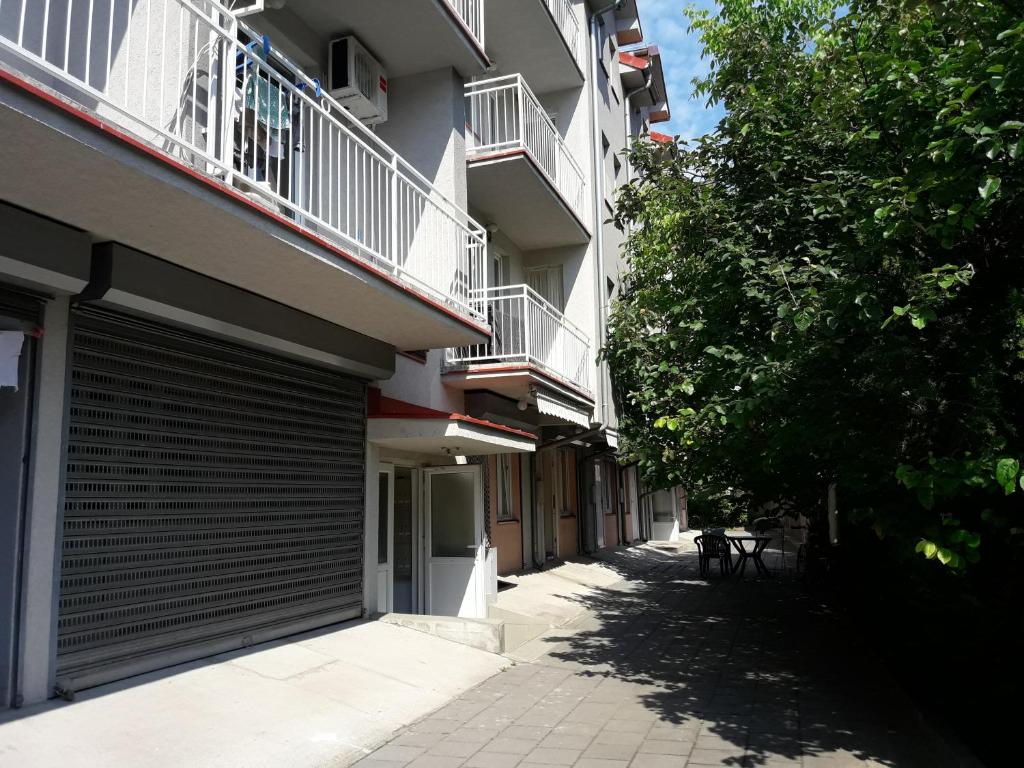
<point x="92" y="120"/>
<point x="381" y="407"/>
<point x="637" y="62"/>
<point x="662" y="138"/>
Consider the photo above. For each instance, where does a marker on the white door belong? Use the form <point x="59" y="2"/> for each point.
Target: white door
<point x="455" y="562"/>
<point x="386" y="538"/>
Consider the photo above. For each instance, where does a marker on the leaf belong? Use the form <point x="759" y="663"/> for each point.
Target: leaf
<point x="973" y="540"/>
<point x="803" y="320"/>
<point x="989" y="187"/>
<point x="930" y="549"/>
<point x="945" y="556"/>
<point x="918" y="322"/>
<point x="1006" y="474"/>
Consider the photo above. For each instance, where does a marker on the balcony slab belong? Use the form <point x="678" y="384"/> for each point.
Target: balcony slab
<point x="72" y="167"/>
<point x="511" y="191"/>
<point x="408" y="36"/>
<point x="522" y="37"/>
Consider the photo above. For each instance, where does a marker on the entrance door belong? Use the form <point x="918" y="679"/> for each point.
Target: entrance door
<point x="385" y="539"/>
<point x="454" y="516"/>
<point x="404" y="527"/>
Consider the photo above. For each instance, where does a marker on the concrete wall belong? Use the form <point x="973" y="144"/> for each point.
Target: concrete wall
<point x="426" y="126"/>
<point x="506" y="535"/>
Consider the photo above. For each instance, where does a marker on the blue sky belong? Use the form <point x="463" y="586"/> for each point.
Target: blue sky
<point x="665" y="25"/>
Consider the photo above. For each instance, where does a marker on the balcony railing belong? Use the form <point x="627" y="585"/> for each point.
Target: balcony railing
<point x="528" y="329"/>
<point x="472" y="14"/>
<point x="569" y="25"/>
<point x="504" y="115"/>
<point x="180" y="76"/>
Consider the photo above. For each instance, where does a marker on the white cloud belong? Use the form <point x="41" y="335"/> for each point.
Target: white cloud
<point x="666" y="26"/>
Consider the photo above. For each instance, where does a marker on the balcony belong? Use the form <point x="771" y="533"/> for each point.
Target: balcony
<point x="529" y="335"/>
<point x="543" y="40"/>
<point x="409" y="36"/>
<point x="521" y="173"/>
<point x="120" y="113"/>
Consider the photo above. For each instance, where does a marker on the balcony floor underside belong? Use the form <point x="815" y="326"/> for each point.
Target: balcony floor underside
<point x="512" y="192"/>
<point x="523" y="37"/>
<point x="59" y="164"/>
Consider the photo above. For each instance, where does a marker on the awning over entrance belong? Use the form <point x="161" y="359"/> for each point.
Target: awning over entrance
<point x="571" y="413"/>
<point x="404" y="426"/>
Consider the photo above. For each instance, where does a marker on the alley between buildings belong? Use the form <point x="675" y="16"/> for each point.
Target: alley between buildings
<point x="665" y="670"/>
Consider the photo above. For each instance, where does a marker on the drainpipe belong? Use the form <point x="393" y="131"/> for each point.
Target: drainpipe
<point x="597" y="174"/>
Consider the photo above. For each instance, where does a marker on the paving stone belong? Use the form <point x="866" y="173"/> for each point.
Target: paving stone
<point x="715" y="757"/>
<point x="593" y="762"/>
<point x="617" y="751"/>
<point x="658" y="761"/>
<point x="397" y="754"/>
<point x="566" y="740"/>
<point x="552" y="756"/>
<point x="513" y="746"/>
<point x="665" y="747"/>
<point x="493" y="760"/>
<point x="436" y="761"/>
<point x="415" y="739"/>
<point x="619" y="737"/>
<point x="453" y="748"/>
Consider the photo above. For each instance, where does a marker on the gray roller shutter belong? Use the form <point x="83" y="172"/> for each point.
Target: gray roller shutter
<point x="213" y="499"/>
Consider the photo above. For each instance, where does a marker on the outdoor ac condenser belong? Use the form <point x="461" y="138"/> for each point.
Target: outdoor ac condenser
<point x="357" y="80"/>
<point x="246" y="7"/>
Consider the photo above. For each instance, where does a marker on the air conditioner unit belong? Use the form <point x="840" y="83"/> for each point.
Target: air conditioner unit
<point x="246" y="7"/>
<point x="357" y="80"/>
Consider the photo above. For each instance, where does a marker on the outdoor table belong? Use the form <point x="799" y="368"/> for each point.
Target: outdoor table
<point x="757" y="545"/>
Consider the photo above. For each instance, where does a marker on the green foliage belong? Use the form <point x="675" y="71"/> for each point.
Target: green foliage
<point x="830" y="287"/>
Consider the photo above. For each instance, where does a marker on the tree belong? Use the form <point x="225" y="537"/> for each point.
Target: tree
<point x="828" y="287"/>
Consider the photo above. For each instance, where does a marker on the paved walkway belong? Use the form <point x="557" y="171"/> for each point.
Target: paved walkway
<point x="665" y="670"/>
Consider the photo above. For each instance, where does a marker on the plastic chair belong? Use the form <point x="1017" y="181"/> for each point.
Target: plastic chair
<point x="710" y="548"/>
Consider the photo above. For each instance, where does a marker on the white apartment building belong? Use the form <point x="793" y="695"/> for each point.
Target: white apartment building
<point x="299" y="311"/>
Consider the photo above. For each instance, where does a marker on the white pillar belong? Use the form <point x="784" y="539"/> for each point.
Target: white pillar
<point x="38" y="640"/>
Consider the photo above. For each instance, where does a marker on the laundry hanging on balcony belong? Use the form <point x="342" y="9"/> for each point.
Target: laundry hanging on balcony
<point x="268" y="101"/>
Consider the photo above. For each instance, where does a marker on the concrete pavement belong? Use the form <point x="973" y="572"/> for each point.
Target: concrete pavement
<point x="326" y="698"/>
<point x="665" y="670"/>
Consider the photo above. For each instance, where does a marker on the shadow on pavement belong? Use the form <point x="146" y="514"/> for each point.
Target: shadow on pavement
<point x="772" y="675"/>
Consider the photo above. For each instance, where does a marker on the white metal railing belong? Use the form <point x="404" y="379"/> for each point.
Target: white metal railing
<point x="527" y="328"/>
<point x="187" y="77"/>
<point x="569" y="25"/>
<point x="503" y="114"/>
<point x="472" y="14"/>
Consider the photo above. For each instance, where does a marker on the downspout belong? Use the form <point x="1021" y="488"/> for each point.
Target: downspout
<point x="597" y="171"/>
<point x="597" y="174"/>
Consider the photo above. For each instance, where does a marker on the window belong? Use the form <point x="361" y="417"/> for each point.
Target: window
<point x="503" y="491"/>
<point x="383" y="505"/>
<point x="499" y="269"/>
<point x="547" y="281"/>
<point x="567" y="470"/>
<point x="607" y="486"/>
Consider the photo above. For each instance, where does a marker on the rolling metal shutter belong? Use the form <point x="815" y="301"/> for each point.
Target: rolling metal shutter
<point x="213" y="499"/>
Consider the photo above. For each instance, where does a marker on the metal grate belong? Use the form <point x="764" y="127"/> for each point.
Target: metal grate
<point x="213" y="498"/>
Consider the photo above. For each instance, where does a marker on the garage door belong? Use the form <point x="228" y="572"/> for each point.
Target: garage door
<point x="213" y="499"/>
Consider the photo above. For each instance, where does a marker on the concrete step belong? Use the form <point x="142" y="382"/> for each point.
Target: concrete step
<point x="500" y="633"/>
<point x="485" y="634"/>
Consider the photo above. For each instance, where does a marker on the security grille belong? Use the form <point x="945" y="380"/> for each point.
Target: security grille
<point x="213" y="499"/>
